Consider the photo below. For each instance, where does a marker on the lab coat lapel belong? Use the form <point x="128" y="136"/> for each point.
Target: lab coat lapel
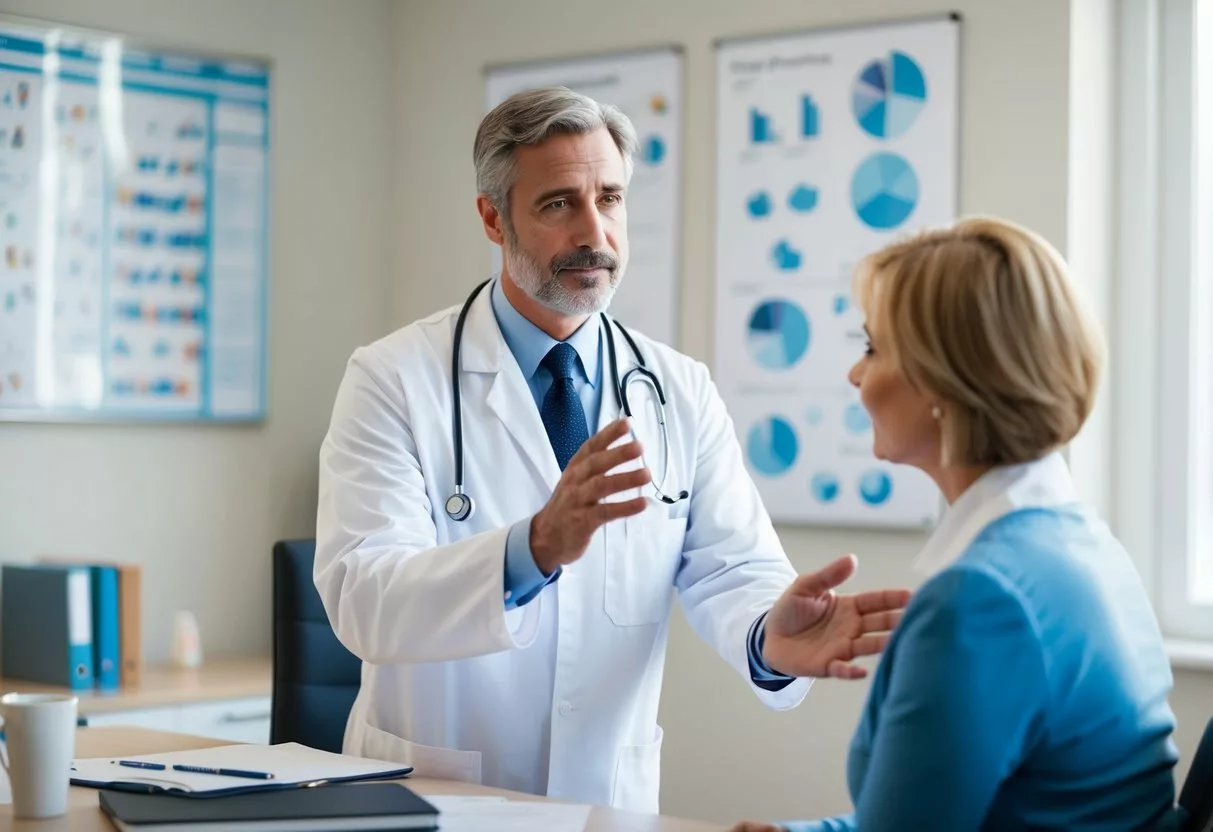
<point x="509" y="398"/>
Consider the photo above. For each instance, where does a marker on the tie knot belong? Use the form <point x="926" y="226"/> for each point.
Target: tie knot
<point x="559" y="361"/>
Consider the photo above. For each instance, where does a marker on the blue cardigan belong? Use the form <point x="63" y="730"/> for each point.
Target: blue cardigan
<point x="1026" y="687"/>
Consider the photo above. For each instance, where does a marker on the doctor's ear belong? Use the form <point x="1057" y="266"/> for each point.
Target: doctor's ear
<point x="494" y="226"/>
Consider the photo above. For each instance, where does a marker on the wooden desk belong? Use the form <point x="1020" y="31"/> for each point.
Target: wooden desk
<point x="85" y="815"/>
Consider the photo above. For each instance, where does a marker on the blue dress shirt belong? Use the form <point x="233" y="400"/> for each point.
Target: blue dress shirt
<point x="529" y="344"/>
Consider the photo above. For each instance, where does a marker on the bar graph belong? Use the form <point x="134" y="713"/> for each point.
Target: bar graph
<point x="762" y="128"/>
<point x="810" y="118"/>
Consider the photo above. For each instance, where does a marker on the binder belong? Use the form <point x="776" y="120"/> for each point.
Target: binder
<point x="130" y="613"/>
<point x="107" y="663"/>
<point x="46" y="624"/>
<point x="130" y="622"/>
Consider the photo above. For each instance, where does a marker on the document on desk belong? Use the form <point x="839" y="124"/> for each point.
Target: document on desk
<point x="244" y="768"/>
<point x="458" y="813"/>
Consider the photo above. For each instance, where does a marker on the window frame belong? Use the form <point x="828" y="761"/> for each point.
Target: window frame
<point x="1162" y="353"/>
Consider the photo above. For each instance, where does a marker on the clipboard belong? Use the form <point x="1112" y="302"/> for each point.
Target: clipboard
<point x="290" y="766"/>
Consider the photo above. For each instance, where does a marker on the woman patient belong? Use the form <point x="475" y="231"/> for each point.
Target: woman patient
<point x="1026" y="685"/>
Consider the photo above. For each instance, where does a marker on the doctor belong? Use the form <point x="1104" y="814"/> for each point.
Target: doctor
<point x="503" y="567"/>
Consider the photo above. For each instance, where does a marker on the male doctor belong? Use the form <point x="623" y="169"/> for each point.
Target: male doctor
<point x="522" y="646"/>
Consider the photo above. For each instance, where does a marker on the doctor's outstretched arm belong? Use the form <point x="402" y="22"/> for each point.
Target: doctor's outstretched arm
<point x="392" y="594"/>
<point x="742" y="596"/>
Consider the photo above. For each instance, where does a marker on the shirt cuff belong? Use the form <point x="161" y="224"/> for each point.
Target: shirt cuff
<point x="523" y="579"/>
<point x="760" y="672"/>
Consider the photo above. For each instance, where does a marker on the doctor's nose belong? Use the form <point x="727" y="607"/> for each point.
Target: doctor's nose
<point x="588" y="231"/>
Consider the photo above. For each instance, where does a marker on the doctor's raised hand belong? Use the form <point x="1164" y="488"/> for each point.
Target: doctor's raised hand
<point x="515" y="490"/>
<point x="561" y="531"/>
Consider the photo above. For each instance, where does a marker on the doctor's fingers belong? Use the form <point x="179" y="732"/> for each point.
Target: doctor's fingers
<point x="602" y="486"/>
<point x="869" y="645"/>
<point x="604" y="438"/>
<point x="603" y="513"/>
<point x="878" y="622"/>
<point x="881" y="600"/>
<point x="599" y="462"/>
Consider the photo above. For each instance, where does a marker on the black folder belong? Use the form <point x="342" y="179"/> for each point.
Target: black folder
<point x="345" y="806"/>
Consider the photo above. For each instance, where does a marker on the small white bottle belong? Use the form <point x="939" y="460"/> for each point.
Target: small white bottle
<point x="187" y="642"/>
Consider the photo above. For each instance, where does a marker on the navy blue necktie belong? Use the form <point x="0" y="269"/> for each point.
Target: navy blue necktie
<point x="563" y="415"/>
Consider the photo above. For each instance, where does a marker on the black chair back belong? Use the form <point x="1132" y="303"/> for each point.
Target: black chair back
<point x="315" y="678"/>
<point x="1197" y="794"/>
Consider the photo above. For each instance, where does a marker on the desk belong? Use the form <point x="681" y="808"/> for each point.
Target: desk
<point x="85" y="815"/>
<point x="225" y="698"/>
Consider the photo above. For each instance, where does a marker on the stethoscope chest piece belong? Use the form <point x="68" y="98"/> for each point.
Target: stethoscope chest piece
<point x="459" y="506"/>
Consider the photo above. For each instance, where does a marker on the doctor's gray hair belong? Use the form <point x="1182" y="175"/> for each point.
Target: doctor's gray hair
<point x="531" y="117"/>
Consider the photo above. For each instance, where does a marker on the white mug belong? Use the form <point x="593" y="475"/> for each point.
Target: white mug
<point x="40" y="735"/>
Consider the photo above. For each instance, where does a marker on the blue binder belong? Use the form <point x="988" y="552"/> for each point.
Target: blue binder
<point x="107" y="658"/>
<point x="46" y="624"/>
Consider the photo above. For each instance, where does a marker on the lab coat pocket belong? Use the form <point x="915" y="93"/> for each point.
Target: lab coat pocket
<point x="426" y="760"/>
<point x="637" y="783"/>
<point x="641" y="564"/>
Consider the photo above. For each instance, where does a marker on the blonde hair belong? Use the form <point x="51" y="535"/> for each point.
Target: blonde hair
<point x="983" y="315"/>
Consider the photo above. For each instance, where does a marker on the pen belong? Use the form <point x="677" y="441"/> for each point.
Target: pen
<point x="141" y="764"/>
<point x="225" y="772"/>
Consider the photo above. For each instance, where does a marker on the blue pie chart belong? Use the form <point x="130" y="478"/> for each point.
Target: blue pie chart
<point x="778" y="334"/>
<point x="884" y="190"/>
<point x="772" y="446"/>
<point x="875" y="487"/>
<point x="825" y="487"/>
<point x="888" y="95"/>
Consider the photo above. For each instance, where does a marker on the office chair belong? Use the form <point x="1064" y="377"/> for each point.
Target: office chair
<point x="315" y="677"/>
<point x="1197" y="794"/>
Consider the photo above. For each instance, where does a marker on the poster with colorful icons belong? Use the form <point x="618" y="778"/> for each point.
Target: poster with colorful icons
<point x="647" y="86"/>
<point x="133" y="220"/>
<point x="830" y="144"/>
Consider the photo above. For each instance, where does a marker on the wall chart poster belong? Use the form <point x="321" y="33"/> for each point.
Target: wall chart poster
<point x="830" y="144"/>
<point x="647" y="86"/>
<point x="133" y="212"/>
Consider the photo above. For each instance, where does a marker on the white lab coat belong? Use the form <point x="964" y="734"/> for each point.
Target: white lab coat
<point x="560" y="696"/>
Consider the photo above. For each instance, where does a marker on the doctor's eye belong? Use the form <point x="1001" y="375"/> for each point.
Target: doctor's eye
<point x="556" y="203"/>
<point x="867" y="346"/>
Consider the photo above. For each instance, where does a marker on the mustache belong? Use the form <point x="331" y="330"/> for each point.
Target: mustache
<point x="585" y="260"/>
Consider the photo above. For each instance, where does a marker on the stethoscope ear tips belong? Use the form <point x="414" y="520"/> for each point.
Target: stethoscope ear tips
<point x="459" y="506"/>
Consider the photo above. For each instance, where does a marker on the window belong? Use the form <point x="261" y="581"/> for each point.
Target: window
<point x="1163" y="341"/>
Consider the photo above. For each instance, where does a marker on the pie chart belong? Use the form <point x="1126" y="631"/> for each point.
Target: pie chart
<point x="888" y="95"/>
<point x="884" y="190"/>
<point x="825" y="487"/>
<point x="772" y="446"/>
<point x="778" y="334"/>
<point x="875" y="487"/>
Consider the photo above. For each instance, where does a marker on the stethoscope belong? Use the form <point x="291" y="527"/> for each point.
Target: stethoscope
<point x="459" y="506"/>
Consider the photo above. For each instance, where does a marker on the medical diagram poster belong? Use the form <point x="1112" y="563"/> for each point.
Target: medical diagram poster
<point x="647" y="86"/>
<point x="830" y="145"/>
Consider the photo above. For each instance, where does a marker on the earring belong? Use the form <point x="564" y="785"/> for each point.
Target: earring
<point x="936" y="414"/>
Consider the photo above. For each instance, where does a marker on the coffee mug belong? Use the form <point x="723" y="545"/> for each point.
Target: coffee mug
<point x="40" y="735"/>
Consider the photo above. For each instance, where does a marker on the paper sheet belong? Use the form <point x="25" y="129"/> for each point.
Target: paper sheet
<point x="476" y="814"/>
<point x="288" y="762"/>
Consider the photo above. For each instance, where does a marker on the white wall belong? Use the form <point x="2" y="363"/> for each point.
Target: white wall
<point x="1017" y="162"/>
<point x="200" y="507"/>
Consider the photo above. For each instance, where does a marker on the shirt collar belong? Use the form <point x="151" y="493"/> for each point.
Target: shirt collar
<point x="1043" y="483"/>
<point x="530" y="344"/>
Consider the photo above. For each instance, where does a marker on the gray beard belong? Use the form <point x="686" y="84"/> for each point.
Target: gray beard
<point x="543" y="286"/>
